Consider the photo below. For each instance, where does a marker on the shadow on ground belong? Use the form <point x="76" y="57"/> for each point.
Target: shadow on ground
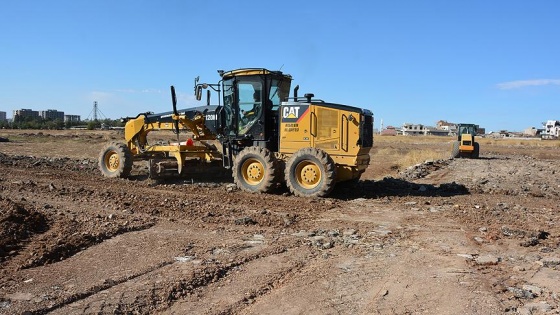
<point x="390" y="186"/>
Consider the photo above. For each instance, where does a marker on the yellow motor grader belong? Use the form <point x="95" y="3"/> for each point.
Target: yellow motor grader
<point x="257" y="131"/>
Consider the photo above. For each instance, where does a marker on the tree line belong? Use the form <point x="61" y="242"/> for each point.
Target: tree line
<point x="56" y="124"/>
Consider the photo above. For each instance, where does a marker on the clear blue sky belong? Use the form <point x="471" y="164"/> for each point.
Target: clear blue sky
<point x="491" y="62"/>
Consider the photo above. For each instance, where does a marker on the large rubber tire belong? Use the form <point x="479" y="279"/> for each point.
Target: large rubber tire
<point x="115" y="160"/>
<point x="254" y="170"/>
<point x="476" y="151"/>
<point x="310" y="172"/>
<point x="455" y="153"/>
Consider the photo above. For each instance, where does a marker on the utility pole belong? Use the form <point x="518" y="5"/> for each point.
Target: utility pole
<point x="95" y="112"/>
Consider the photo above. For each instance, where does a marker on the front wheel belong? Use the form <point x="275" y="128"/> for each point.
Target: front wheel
<point x="254" y="169"/>
<point x="115" y="160"/>
<point x="476" y="151"/>
<point x="455" y="151"/>
<point x="310" y="172"/>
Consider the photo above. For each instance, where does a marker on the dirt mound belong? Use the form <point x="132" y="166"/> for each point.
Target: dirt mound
<point x="70" y="234"/>
<point x="32" y="235"/>
<point x="88" y="165"/>
<point x="422" y="170"/>
<point x="18" y="223"/>
<point x="41" y="134"/>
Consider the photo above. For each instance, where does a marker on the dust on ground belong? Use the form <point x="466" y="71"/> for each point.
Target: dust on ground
<point x="446" y="236"/>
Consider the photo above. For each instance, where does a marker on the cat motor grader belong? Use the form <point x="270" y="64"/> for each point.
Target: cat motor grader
<point x="257" y="131"/>
<point x="465" y="145"/>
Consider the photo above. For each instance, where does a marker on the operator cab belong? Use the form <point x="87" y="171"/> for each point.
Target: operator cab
<point x="250" y="110"/>
<point x="470" y="129"/>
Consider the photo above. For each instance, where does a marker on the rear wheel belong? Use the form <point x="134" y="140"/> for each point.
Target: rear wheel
<point x="115" y="160"/>
<point x="455" y="152"/>
<point x="254" y="169"/>
<point x="310" y="172"/>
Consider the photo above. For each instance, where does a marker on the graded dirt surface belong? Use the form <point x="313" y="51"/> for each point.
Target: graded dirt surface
<point x="447" y="236"/>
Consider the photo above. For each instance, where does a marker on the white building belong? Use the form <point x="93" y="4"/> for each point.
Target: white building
<point x="409" y="129"/>
<point x="72" y="118"/>
<point x="552" y="128"/>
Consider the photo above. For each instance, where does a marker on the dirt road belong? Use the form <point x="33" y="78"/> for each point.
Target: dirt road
<point x="444" y="237"/>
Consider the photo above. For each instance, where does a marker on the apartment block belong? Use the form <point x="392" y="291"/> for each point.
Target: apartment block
<point x="51" y="114"/>
<point x="26" y="113"/>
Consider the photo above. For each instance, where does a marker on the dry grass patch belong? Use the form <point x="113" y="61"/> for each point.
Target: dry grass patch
<point x="411" y="139"/>
<point x="519" y="142"/>
<point x="391" y="154"/>
<point x="420" y="156"/>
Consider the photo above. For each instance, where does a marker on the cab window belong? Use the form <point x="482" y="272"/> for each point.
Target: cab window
<point x="250" y="104"/>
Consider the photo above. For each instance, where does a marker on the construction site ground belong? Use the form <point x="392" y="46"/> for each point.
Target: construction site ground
<point x="448" y="236"/>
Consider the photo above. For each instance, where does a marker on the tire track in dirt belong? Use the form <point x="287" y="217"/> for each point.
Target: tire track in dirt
<point x="108" y="284"/>
<point x="242" y="285"/>
<point x="188" y="277"/>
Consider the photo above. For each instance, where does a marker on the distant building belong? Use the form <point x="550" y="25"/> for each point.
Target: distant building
<point x="531" y="132"/>
<point x="3" y="116"/>
<point x="452" y="127"/>
<point x="505" y="134"/>
<point x="409" y="129"/>
<point x="72" y="118"/>
<point x="443" y="128"/>
<point x="552" y="128"/>
<point x="432" y="131"/>
<point x="22" y="113"/>
<point x="390" y="131"/>
<point x="52" y="114"/>
<point x="444" y="125"/>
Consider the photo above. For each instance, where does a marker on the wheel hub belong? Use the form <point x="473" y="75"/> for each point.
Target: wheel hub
<point x="309" y="175"/>
<point x="253" y="172"/>
<point x="113" y="161"/>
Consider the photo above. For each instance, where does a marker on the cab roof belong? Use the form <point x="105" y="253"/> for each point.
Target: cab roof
<point x="252" y="71"/>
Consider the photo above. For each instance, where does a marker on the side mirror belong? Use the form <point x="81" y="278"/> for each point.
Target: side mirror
<point x="198" y="92"/>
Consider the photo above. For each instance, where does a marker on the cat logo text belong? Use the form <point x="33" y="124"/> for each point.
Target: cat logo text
<point x="292" y="114"/>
